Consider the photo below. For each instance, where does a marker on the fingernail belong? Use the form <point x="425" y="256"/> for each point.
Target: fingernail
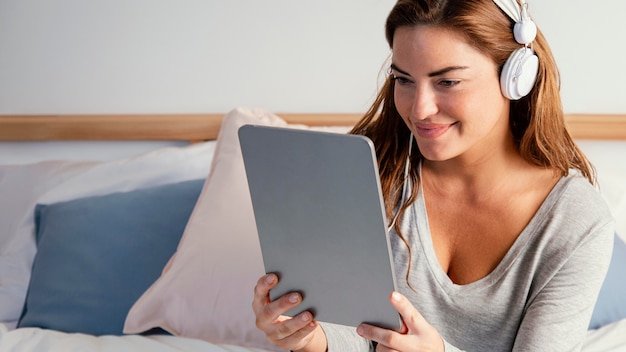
<point x="270" y="279"/>
<point x="293" y="298"/>
<point x="306" y="317"/>
<point x="359" y="330"/>
<point x="395" y="296"/>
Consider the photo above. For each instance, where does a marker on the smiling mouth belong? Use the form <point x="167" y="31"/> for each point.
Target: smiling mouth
<point x="432" y="130"/>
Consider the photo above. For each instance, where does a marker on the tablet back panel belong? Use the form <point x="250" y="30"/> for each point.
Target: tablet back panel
<point x="321" y="224"/>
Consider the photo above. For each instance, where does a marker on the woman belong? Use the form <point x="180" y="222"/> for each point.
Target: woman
<point x="499" y="235"/>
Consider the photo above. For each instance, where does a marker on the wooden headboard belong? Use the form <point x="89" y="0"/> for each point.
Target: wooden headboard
<point x="199" y="127"/>
<point x="192" y="127"/>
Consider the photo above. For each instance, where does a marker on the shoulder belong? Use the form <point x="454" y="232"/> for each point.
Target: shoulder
<point x="576" y="199"/>
<point x="572" y="235"/>
<point x="575" y="214"/>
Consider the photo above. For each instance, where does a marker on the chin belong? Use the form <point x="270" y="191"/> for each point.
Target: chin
<point x="431" y="153"/>
<point x="436" y="156"/>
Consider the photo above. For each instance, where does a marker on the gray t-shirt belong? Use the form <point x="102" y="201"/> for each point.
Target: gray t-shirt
<point x="539" y="298"/>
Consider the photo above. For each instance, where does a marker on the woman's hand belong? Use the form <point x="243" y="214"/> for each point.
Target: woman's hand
<point x="291" y="333"/>
<point x="415" y="335"/>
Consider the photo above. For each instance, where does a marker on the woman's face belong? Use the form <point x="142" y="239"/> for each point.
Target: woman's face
<point x="448" y="94"/>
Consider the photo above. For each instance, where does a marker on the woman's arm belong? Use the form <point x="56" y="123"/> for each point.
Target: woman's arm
<point x="558" y="317"/>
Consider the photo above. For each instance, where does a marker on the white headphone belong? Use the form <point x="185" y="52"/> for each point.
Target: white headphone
<point x="520" y="70"/>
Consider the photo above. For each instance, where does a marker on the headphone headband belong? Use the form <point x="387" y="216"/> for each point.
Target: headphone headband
<point x="525" y="29"/>
<point x="511" y="8"/>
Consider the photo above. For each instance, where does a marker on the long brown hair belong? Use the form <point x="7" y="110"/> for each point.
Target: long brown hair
<point x="536" y="121"/>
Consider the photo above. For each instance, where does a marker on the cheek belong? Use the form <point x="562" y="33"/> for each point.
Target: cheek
<point x="484" y="105"/>
<point x="403" y="106"/>
<point x="482" y="115"/>
<point x="403" y="102"/>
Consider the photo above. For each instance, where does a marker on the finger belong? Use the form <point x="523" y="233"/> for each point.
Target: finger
<point x="262" y="291"/>
<point x="416" y="330"/>
<point x="389" y="339"/>
<point x="411" y="317"/>
<point x="301" y="336"/>
<point x="294" y="328"/>
<point x="383" y="348"/>
<point x="374" y="333"/>
<point x="271" y="312"/>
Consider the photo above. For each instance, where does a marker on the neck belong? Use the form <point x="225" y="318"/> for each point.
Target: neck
<point x="477" y="173"/>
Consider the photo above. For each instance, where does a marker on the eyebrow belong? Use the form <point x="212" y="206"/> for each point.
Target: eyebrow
<point x="435" y="73"/>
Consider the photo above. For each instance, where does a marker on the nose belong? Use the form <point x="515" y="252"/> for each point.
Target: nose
<point x="424" y="103"/>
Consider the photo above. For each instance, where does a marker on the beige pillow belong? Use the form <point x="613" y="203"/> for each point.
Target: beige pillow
<point x="206" y="289"/>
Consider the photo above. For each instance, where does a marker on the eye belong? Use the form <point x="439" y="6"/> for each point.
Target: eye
<point x="448" y="83"/>
<point x="403" y="81"/>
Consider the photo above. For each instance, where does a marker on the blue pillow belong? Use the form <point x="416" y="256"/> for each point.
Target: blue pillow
<point x="97" y="255"/>
<point x="611" y="304"/>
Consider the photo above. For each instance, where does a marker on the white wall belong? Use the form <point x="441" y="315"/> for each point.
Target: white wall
<point x="133" y="56"/>
<point x="186" y="56"/>
<point x="587" y="39"/>
<point x="114" y="56"/>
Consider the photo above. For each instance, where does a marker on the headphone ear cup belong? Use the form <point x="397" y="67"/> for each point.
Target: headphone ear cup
<point x="519" y="73"/>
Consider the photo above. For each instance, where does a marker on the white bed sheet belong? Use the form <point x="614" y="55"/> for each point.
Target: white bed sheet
<point x="610" y="338"/>
<point x="36" y="340"/>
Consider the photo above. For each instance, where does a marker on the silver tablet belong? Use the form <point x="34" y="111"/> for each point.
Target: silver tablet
<point x="321" y="222"/>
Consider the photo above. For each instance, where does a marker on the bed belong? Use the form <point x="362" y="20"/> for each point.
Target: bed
<point x="158" y="251"/>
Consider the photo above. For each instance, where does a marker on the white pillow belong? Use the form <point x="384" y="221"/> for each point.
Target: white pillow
<point x="206" y="289"/>
<point x="24" y="186"/>
<point x="608" y="159"/>
<point x="613" y="190"/>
